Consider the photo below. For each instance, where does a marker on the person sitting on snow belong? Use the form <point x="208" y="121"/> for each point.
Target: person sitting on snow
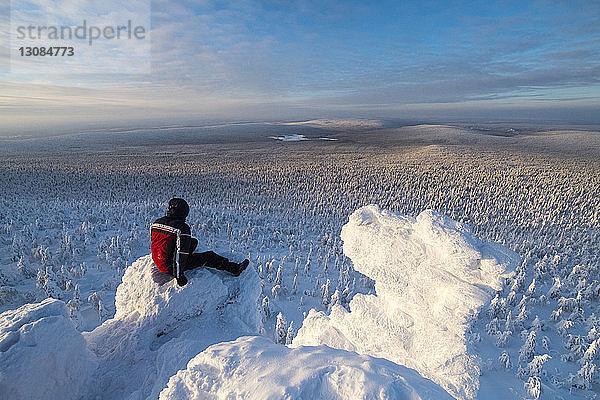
<point x="173" y="248"/>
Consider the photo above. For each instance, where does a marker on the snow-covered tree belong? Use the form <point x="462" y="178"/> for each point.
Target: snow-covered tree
<point x="335" y="299"/>
<point x="533" y="386"/>
<point x="593" y="334"/>
<point x="494" y="308"/>
<point x="511" y="299"/>
<point x="295" y="283"/>
<point x="502" y="338"/>
<point x="508" y="325"/>
<point x="279" y="277"/>
<point x="492" y="327"/>
<point x="534" y="368"/>
<point x="556" y="314"/>
<point x="505" y="360"/>
<point x="96" y="302"/>
<point x="74" y="305"/>
<point x="526" y="352"/>
<point x="588" y="374"/>
<point x="291" y="334"/>
<point x="266" y="308"/>
<point x="545" y="343"/>
<point x="537" y="324"/>
<point x="325" y="293"/>
<point x="24" y="270"/>
<point x="531" y="290"/>
<point x="519" y="322"/>
<point x="576" y="344"/>
<point x="564" y="326"/>
<point x="281" y="329"/>
<point x="591" y="352"/>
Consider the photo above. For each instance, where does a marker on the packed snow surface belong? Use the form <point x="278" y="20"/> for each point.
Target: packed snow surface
<point x="42" y="355"/>
<point x="431" y="276"/>
<point x="255" y="368"/>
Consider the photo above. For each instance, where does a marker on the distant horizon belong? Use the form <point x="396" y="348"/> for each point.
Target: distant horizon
<point x="509" y="60"/>
<point x="124" y="126"/>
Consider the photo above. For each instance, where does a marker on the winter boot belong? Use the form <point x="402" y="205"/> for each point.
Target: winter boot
<point x="240" y="268"/>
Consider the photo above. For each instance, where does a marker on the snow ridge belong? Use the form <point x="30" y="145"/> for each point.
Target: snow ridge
<point x="431" y="276"/>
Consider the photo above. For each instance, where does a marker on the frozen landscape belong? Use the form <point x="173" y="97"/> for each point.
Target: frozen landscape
<point x="388" y="260"/>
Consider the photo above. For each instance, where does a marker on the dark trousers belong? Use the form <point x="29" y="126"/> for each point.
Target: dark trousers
<point x="208" y="259"/>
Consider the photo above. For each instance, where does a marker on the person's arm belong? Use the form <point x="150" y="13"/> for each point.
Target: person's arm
<point x="183" y="251"/>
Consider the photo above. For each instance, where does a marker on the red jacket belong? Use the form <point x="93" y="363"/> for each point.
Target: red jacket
<point x="171" y="241"/>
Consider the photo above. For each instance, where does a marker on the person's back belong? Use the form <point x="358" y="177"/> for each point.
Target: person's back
<point x="170" y="236"/>
<point x="173" y="248"/>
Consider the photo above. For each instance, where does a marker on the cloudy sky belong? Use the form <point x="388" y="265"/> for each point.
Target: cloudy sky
<point x="273" y="60"/>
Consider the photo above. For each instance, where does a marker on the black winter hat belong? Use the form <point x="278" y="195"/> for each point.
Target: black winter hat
<point x="178" y="208"/>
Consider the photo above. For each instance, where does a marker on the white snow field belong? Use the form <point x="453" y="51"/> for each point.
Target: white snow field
<point x="253" y="367"/>
<point x="431" y="276"/>
<point x="75" y="213"/>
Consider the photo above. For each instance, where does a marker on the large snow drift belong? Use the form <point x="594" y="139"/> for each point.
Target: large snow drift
<point x="42" y="355"/>
<point x="431" y="275"/>
<point x="256" y="368"/>
<point x="157" y="330"/>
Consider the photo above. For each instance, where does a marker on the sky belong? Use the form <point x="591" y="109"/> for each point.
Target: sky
<point x="284" y="60"/>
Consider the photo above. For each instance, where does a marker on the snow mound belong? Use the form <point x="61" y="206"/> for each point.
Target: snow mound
<point x="256" y="368"/>
<point x="42" y="355"/>
<point x="157" y="330"/>
<point x="431" y="276"/>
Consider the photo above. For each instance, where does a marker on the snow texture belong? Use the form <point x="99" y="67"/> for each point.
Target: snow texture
<point x="157" y="330"/>
<point x="431" y="276"/>
<point x="256" y="368"/>
<point x="42" y="355"/>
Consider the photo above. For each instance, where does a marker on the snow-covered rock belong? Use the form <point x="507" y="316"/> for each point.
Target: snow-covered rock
<point x="42" y="355"/>
<point x="256" y="368"/>
<point x="157" y="330"/>
<point x="431" y="275"/>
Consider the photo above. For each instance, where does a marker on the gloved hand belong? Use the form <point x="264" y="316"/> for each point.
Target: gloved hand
<point x="182" y="280"/>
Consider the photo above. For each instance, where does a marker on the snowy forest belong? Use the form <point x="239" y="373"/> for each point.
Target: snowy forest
<point x="74" y="219"/>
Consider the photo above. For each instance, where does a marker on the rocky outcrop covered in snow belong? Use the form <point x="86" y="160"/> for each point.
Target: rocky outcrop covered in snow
<point x="157" y="330"/>
<point x="431" y="275"/>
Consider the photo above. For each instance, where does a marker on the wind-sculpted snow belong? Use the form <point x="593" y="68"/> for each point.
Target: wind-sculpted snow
<point x="254" y="368"/>
<point x="157" y="330"/>
<point x="42" y="355"/>
<point x="431" y="275"/>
